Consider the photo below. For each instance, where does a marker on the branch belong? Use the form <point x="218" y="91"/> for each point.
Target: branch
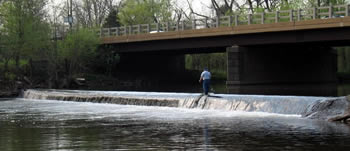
<point x="195" y="13"/>
<point x="215" y="4"/>
<point x="231" y="5"/>
<point x="250" y="3"/>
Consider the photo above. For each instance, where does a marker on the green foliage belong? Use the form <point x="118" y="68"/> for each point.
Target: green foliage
<point x="112" y="20"/>
<point x="145" y="11"/>
<point x="314" y="3"/>
<point x="25" y="34"/>
<point x="79" y="48"/>
<point x="106" y="60"/>
<point x="216" y="62"/>
<point x="8" y="76"/>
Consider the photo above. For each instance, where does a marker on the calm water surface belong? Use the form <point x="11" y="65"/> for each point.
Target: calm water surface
<point x="43" y="125"/>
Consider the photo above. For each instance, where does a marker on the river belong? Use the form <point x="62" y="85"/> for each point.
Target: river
<point x="41" y="125"/>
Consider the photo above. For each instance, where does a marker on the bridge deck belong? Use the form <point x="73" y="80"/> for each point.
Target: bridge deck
<point x="235" y="30"/>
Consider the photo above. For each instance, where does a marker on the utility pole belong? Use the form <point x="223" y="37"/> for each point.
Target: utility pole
<point x="69" y="19"/>
<point x="71" y="14"/>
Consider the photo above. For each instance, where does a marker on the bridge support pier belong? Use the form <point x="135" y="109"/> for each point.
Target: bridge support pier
<point x="284" y="70"/>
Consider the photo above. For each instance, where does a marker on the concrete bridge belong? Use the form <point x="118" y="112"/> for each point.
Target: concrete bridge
<point x="283" y="47"/>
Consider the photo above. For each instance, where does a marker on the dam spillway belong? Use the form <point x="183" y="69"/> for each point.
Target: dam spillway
<point x="66" y="120"/>
<point x="297" y="105"/>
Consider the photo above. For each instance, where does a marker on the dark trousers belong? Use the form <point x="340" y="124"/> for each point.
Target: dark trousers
<point x="206" y="86"/>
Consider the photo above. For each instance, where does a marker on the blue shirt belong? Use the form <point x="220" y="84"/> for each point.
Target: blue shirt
<point x="206" y="75"/>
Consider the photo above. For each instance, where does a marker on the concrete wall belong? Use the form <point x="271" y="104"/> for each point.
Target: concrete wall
<point x="279" y="67"/>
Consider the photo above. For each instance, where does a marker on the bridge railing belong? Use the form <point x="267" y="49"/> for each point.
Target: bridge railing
<point x="332" y="11"/>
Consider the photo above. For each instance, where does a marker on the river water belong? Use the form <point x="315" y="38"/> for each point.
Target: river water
<point x="42" y="125"/>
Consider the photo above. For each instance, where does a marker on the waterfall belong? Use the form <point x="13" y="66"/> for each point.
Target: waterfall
<point x="255" y="103"/>
<point x="123" y="98"/>
<point x="228" y="102"/>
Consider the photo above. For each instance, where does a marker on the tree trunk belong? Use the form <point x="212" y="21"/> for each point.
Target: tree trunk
<point x="17" y="59"/>
<point x="6" y="65"/>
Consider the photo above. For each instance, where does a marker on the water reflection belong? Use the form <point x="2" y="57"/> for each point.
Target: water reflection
<point x="300" y="90"/>
<point x="54" y="125"/>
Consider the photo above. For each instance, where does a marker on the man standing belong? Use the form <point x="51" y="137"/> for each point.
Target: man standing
<point x="205" y="77"/>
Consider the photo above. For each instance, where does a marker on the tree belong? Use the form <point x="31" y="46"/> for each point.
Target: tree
<point x="145" y="11"/>
<point x="77" y="50"/>
<point x="319" y="3"/>
<point x="224" y="7"/>
<point x="5" y="54"/>
<point x="24" y="28"/>
<point x="112" y="20"/>
<point x="92" y="13"/>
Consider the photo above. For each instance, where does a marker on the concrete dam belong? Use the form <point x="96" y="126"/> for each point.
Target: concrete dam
<point x="322" y="108"/>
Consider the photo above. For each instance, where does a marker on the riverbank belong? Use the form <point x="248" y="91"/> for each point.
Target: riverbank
<point x="8" y="94"/>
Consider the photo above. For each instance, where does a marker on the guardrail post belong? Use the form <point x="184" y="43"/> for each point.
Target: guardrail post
<point x="299" y="14"/>
<point x="263" y="18"/>
<point x="217" y="21"/>
<point x="101" y="32"/>
<point x="194" y="24"/>
<point x="130" y="30"/>
<point x="139" y="29"/>
<point x="167" y="26"/>
<point x="206" y="23"/>
<point x="109" y="32"/>
<point x="330" y="11"/>
<point x="149" y="28"/>
<point x="177" y="26"/>
<point x="277" y="16"/>
<point x="117" y="31"/>
<point x="183" y="25"/>
<point x="236" y="20"/>
<point x="230" y="21"/>
<point x="157" y="27"/>
<point x="314" y="15"/>
<point x="249" y="19"/>
<point x="291" y="15"/>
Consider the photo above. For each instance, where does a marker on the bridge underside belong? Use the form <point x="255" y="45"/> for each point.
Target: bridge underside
<point x="265" y="69"/>
<point x="151" y="63"/>
<point x="319" y="37"/>
<point x="290" y="69"/>
<point x="280" y="56"/>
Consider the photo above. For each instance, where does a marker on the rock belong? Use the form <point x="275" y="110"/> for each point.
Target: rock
<point x="346" y="116"/>
<point x="333" y="109"/>
<point x="342" y="118"/>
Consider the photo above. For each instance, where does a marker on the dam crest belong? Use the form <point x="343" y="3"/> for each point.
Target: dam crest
<point x="323" y="108"/>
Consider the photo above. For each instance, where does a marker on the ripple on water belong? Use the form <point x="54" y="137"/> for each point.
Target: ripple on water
<point x="87" y="126"/>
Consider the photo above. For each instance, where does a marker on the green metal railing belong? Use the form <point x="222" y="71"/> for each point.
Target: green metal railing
<point x="331" y="11"/>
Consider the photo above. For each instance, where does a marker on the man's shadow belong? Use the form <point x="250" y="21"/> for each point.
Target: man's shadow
<point x="213" y="96"/>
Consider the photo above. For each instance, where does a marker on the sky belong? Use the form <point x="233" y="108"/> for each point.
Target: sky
<point x="198" y="5"/>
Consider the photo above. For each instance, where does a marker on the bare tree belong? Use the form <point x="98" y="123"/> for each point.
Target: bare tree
<point x="223" y="7"/>
<point x="268" y="5"/>
<point x="92" y="13"/>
